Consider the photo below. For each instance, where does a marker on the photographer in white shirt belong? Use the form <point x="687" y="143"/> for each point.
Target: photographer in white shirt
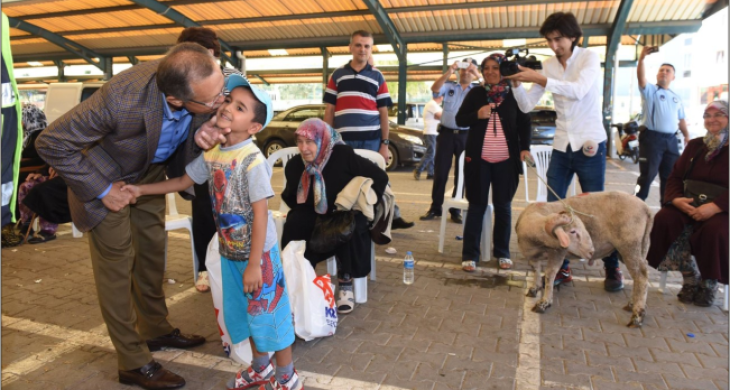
<point x="573" y="76"/>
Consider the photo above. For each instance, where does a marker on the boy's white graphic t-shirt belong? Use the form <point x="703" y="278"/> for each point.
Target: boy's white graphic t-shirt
<point x="237" y="176"/>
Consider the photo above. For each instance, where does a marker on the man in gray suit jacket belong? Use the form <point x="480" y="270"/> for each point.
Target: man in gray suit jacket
<point x="139" y="127"/>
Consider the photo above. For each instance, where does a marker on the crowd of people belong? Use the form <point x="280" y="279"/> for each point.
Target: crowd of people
<point x="179" y="122"/>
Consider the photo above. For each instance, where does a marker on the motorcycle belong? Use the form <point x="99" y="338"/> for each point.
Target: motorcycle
<point x="627" y="142"/>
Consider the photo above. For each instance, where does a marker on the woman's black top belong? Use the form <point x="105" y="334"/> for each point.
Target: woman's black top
<point x="515" y="124"/>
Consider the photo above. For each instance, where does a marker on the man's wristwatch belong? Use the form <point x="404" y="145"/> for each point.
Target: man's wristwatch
<point x="385" y="141"/>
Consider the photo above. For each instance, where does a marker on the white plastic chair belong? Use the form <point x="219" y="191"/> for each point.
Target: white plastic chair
<point x="541" y="154"/>
<point x="459" y="202"/>
<point x="174" y="221"/>
<point x="663" y="289"/>
<point x="360" y="284"/>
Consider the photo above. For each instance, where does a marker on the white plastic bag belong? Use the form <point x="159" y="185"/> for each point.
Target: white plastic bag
<point x="311" y="296"/>
<point x="240" y="352"/>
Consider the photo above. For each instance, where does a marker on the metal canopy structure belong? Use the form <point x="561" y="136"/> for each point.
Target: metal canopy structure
<point x="76" y="31"/>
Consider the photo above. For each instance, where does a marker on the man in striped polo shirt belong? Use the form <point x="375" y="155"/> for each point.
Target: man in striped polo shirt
<point x="356" y="104"/>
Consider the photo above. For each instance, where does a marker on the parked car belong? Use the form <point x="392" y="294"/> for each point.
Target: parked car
<point x="406" y="145"/>
<point x="543" y="126"/>
<point x="414" y="114"/>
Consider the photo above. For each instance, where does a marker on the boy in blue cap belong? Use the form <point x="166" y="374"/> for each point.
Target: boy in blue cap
<point x="255" y="300"/>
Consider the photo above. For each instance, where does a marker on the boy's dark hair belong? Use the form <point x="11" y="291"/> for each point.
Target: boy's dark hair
<point x="565" y="23"/>
<point x="184" y="64"/>
<point x="362" y="33"/>
<point x="202" y="36"/>
<point x="671" y="66"/>
<point x="259" y="112"/>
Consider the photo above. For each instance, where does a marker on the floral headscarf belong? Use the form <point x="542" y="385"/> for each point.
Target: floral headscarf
<point x="326" y="138"/>
<point x="496" y="92"/>
<point x="34" y="119"/>
<point x="715" y="143"/>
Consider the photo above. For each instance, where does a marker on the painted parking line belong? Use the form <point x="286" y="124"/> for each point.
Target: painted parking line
<point x="73" y="339"/>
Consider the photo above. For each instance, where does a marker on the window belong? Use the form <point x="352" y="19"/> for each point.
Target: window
<point x="304" y="114"/>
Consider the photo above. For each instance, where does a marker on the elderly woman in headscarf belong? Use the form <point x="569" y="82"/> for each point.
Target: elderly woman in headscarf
<point x="691" y="235"/>
<point x="497" y="143"/>
<point x="313" y="182"/>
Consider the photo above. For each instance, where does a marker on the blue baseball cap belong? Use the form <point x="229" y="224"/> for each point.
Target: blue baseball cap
<point x="236" y="80"/>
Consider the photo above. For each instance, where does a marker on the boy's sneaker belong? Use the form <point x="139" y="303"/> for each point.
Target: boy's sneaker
<point x="249" y="378"/>
<point x="293" y="383"/>
<point x="614" y="280"/>
<point x="563" y="276"/>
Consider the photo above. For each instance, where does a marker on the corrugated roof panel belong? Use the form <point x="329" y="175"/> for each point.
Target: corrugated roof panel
<point x="102" y="20"/>
<point x="656" y="10"/>
<point x="303" y="6"/>
<point x="21" y="9"/>
<point x="33" y="46"/>
<point x="14" y="32"/>
<point x="213" y="10"/>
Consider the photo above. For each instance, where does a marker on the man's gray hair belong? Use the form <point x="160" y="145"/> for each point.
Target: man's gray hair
<point x="184" y="64"/>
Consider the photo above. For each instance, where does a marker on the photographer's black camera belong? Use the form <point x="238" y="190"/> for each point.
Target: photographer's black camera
<point x="508" y="68"/>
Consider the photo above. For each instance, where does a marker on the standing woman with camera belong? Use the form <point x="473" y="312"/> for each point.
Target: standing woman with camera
<point x="497" y="142"/>
<point x="686" y="226"/>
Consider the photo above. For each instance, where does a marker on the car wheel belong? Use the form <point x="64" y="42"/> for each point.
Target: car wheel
<point x="392" y="159"/>
<point x="272" y="147"/>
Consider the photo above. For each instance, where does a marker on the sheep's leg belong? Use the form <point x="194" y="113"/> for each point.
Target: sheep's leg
<point x="637" y="268"/>
<point x="553" y="266"/>
<point x="537" y="282"/>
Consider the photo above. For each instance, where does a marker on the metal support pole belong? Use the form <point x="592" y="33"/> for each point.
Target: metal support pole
<point x="133" y="60"/>
<point x="445" y="49"/>
<point x="61" y="71"/>
<point x="107" y="66"/>
<point x="402" y="82"/>
<point x="325" y="68"/>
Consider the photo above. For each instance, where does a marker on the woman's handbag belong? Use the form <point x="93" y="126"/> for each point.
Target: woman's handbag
<point x="701" y="191"/>
<point x="331" y="231"/>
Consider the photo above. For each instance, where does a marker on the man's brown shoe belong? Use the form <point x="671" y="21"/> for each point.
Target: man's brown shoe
<point x="152" y="376"/>
<point x="175" y="340"/>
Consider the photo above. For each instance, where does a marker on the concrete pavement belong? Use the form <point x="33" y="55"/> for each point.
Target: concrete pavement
<point x="449" y="330"/>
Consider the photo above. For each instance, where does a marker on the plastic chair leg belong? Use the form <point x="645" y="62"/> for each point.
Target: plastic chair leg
<point x="486" y="245"/>
<point x="442" y="233"/>
<point x="724" y="301"/>
<point x="372" y="261"/>
<point x="332" y="267"/>
<point x="361" y="290"/>
<point x="663" y="283"/>
<point x="75" y="232"/>
<point x="196" y="264"/>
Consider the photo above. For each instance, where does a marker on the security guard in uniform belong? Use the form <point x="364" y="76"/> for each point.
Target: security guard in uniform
<point x="451" y="139"/>
<point x="663" y="113"/>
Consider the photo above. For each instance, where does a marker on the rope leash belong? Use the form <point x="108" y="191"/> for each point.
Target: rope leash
<point x="531" y="163"/>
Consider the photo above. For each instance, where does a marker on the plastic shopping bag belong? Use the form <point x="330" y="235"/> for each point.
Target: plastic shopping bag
<point x="312" y="298"/>
<point x="240" y="352"/>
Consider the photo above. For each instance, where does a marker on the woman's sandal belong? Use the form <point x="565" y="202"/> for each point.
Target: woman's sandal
<point x="41" y="237"/>
<point x="505" y="263"/>
<point x="346" y="302"/>
<point x="469" y="265"/>
<point x="203" y="284"/>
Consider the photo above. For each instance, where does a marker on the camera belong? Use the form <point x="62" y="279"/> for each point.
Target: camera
<point x="508" y="68"/>
<point x="464" y="64"/>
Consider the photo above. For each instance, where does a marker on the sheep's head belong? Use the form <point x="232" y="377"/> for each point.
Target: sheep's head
<point x="571" y="233"/>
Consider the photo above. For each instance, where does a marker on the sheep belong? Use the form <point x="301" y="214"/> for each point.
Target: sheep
<point x="552" y="232"/>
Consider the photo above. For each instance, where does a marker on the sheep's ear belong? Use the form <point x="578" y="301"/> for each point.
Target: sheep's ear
<point x="562" y="237"/>
<point x="554" y="221"/>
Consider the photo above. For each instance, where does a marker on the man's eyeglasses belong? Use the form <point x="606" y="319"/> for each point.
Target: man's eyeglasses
<point x="224" y="92"/>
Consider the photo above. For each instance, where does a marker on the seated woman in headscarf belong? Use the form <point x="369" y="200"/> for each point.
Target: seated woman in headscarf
<point x="313" y="182"/>
<point x="682" y="228"/>
<point x="497" y="143"/>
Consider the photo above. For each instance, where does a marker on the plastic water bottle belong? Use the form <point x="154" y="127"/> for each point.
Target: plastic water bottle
<point x="408" y="263"/>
